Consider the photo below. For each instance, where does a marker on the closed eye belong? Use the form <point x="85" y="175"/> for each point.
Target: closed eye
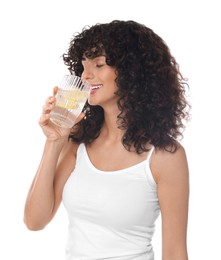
<point x="99" y="65"/>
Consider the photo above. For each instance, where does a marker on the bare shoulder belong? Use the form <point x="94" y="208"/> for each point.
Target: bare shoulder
<point x="167" y="164"/>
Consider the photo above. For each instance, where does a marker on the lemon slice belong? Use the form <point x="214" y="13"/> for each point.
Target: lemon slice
<point x="71" y="99"/>
<point x="70" y="105"/>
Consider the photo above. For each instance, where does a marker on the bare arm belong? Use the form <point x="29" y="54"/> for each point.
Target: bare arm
<point x="171" y="174"/>
<point x="44" y="196"/>
<point x="58" y="160"/>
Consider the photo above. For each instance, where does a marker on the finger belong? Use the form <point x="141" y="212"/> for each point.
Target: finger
<point x="55" y="91"/>
<point x="47" y="108"/>
<point x="50" y="100"/>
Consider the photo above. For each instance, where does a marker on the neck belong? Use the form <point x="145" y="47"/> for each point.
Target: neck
<point x="110" y="128"/>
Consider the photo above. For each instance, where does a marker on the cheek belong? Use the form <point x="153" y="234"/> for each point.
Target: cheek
<point x="110" y="74"/>
<point x="111" y="81"/>
<point x="112" y="87"/>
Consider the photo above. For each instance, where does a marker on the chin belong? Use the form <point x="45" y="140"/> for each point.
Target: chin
<point x="92" y="103"/>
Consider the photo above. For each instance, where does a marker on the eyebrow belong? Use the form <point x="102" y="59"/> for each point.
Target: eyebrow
<point x="97" y="57"/>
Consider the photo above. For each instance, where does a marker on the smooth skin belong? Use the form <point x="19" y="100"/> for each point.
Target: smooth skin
<point x="170" y="170"/>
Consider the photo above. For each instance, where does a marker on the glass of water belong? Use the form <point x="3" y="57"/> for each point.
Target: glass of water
<point x="70" y="100"/>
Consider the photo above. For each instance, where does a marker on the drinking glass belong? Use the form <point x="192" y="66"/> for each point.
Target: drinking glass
<point x="70" y="100"/>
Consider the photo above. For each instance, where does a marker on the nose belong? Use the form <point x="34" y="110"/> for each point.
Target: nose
<point x="87" y="74"/>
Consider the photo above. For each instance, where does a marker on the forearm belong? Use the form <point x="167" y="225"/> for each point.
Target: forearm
<point x="40" y="200"/>
<point x="174" y="246"/>
<point x="179" y="254"/>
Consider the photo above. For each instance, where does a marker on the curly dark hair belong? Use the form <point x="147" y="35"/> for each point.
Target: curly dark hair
<point x="151" y="89"/>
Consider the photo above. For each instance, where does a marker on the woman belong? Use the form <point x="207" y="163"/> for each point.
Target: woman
<point x="121" y="164"/>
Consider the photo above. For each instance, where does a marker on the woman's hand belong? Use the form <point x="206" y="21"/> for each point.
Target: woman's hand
<point x="52" y="131"/>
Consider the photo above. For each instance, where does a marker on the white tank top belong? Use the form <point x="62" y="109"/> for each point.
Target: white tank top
<point x="111" y="214"/>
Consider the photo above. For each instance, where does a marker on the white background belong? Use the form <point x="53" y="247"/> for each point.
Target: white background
<point x="34" y="35"/>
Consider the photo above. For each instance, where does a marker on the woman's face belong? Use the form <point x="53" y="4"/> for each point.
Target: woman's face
<point x="102" y="79"/>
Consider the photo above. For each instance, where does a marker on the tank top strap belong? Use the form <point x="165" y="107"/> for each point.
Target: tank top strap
<point x="150" y="154"/>
<point x="148" y="171"/>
